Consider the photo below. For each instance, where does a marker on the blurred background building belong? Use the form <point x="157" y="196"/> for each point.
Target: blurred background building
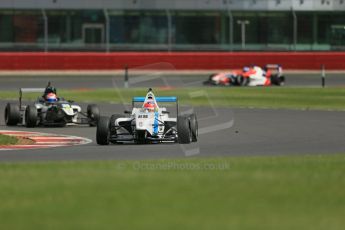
<point x="168" y="25"/>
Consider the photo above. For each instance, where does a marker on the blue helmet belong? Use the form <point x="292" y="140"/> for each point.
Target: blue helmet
<point x="51" y="98"/>
<point x="246" y="69"/>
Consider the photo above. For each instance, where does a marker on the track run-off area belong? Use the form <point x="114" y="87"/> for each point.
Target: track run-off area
<point x="139" y="78"/>
<point x="228" y="132"/>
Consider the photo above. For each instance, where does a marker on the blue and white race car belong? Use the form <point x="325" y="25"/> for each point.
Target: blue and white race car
<point x="148" y="123"/>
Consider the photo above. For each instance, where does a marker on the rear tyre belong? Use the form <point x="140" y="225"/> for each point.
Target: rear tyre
<point x="93" y="114"/>
<point x="279" y="81"/>
<point x="102" y="132"/>
<point x="30" y="116"/>
<point x="183" y="130"/>
<point x="12" y="114"/>
<point x="194" y="126"/>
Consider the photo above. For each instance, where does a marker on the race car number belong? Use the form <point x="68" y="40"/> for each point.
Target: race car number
<point x="143" y="116"/>
<point x="67" y="108"/>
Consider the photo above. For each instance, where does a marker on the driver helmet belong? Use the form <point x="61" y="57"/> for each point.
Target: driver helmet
<point x="150" y="105"/>
<point x="246" y="69"/>
<point x="51" y="97"/>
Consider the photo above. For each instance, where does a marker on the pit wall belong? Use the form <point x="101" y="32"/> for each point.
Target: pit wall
<point x="165" y="60"/>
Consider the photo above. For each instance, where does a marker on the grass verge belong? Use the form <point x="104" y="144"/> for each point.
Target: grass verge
<point x="264" y="97"/>
<point x="289" y="192"/>
<point x="7" y="140"/>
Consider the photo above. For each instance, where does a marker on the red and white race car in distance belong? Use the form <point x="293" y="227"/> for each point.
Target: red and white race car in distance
<point x="232" y="78"/>
<point x="271" y="74"/>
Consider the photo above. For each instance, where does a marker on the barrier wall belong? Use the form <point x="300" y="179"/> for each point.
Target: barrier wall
<point x="165" y="60"/>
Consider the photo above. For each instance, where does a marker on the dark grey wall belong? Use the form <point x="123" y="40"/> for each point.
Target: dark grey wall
<point x="272" y="5"/>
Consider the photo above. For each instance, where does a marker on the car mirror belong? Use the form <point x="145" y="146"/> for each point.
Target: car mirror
<point x="127" y="112"/>
<point x="165" y="112"/>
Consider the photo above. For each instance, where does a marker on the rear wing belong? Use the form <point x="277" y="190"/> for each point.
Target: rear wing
<point x="158" y="99"/>
<point x="276" y="67"/>
<point x="28" y="90"/>
<point x="273" y="66"/>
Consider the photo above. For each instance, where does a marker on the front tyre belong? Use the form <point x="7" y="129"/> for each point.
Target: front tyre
<point x="183" y="130"/>
<point x="93" y="114"/>
<point x="12" y="114"/>
<point x="281" y="81"/>
<point x="194" y="126"/>
<point x="102" y="132"/>
<point x="112" y="126"/>
<point x="30" y="116"/>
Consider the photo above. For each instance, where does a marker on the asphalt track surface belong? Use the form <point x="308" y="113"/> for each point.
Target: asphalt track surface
<point x="226" y="132"/>
<point x="152" y="79"/>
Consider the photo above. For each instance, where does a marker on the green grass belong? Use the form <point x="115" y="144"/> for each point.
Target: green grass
<point x="7" y="140"/>
<point x="296" y="192"/>
<point x="265" y="97"/>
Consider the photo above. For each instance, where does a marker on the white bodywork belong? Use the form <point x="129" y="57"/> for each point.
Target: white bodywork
<point x="258" y="78"/>
<point x="143" y="119"/>
<point x="152" y="122"/>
